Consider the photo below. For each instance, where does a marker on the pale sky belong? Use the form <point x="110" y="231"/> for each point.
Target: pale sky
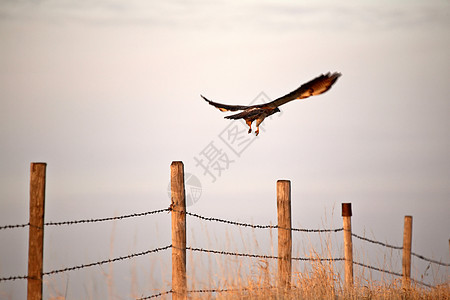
<point x="108" y="94"/>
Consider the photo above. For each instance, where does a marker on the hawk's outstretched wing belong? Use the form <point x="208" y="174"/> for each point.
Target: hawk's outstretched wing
<point x="314" y="87"/>
<point x="259" y="112"/>
<point x="225" y="107"/>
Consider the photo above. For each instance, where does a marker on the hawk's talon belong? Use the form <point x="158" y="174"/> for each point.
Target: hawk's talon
<point x="250" y="130"/>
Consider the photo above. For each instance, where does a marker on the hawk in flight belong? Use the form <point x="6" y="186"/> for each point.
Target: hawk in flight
<point x="259" y="112"/>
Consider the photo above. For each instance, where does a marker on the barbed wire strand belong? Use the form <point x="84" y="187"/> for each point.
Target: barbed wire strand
<point x="390" y="272"/>
<point x="230" y="253"/>
<point x="215" y="290"/>
<point x="400" y="248"/>
<point x="91" y="264"/>
<point x="12" y="278"/>
<point x="422" y="283"/>
<point x="156" y="295"/>
<point x="204" y="291"/>
<point x="377" y="269"/>
<point x="258" y="226"/>
<point x="430" y="260"/>
<point x="229" y="290"/>
<point x="231" y="222"/>
<point x="315" y="230"/>
<point x="107" y="219"/>
<point x="318" y="259"/>
<point x="107" y="261"/>
<point x="14" y="226"/>
<point x="376" y="242"/>
<point x="259" y="256"/>
<point x="89" y="220"/>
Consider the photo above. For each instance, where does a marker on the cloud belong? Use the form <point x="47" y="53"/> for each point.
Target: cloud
<point x="273" y="17"/>
<point x="355" y="16"/>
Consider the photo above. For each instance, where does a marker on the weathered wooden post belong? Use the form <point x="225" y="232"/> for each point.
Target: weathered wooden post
<point x="284" y="233"/>
<point x="348" y="246"/>
<point x="36" y="231"/>
<point x="179" y="282"/>
<point x="406" y="260"/>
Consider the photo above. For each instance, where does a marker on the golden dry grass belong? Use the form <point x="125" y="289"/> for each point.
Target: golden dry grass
<point x="321" y="282"/>
<point x="250" y="278"/>
<point x="233" y="277"/>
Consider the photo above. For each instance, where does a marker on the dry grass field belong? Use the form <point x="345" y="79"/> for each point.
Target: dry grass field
<point x="219" y="276"/>
<point x="320" y="280"/>
<point x="253" y="278"/>
<point x="320" y="283"/>
<point x="212" y="276"/>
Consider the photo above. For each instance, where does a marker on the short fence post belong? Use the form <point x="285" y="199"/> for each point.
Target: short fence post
<point x="284" y="233"/>
<point x="36" y="231"/>
<point x="179" y="282"/>
<point x="348" y="246"/>
<point x="406" y="261"/>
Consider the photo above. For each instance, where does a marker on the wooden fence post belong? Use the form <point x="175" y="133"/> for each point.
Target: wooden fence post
<point x="179" y="282"/>
<point x="284" y="233"/>
<point x="36" y="231"/>
<point x="348" y="246"/>
<point x="406" y="261"/>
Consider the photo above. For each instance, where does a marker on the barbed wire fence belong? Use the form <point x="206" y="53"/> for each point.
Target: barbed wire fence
<point x="220" y="252"/>
<point x="210" y="251"/>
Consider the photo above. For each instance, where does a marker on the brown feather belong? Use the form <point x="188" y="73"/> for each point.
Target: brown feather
<point x="314" y="87"/>
<point x="225" y="107"/>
